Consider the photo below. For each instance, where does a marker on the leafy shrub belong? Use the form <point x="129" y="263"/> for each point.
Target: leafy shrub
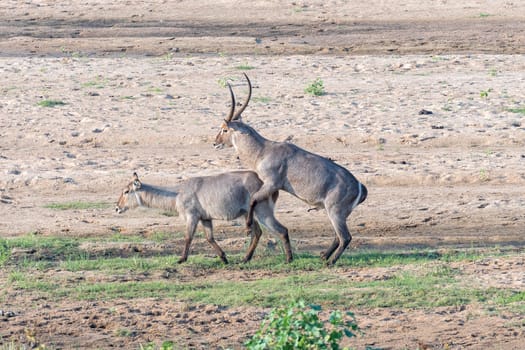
<point x="316" y="88"/>
<point x="297" y="326"/>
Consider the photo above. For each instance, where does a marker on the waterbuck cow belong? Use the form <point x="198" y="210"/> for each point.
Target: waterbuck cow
<point x="315" y="180"/>
<point x="225" y="197"/>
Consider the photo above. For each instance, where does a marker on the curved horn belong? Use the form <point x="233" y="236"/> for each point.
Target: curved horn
<point x="239" y="112"/>
<point x="232" y="109"/>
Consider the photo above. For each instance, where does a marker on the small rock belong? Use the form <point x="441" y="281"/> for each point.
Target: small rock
<point x="7" y="314"/>
<point x="425" y="112"/>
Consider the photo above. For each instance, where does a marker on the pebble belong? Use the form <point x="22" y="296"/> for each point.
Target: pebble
<point x="7" y="314"/>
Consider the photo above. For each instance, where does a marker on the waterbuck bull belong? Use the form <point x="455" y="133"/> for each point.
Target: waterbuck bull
<point x="315" y="180"/>
<point x="203" y="199"/>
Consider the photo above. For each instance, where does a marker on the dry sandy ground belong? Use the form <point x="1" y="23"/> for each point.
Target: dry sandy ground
<point x="141" y="90"/>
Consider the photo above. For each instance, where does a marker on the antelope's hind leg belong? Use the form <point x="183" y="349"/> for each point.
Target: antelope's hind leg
<point x="265" y="215"/>
<point x="208" y="228"/>
<point x="343" y="236"/>
<point x="265" y="193"/>
<point x="191" y="226"/>
<point x="255" y="235"/>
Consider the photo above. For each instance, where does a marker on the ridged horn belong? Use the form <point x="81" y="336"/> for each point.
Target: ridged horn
<point x="243" y="107"/>
<point x="232" y="109"/>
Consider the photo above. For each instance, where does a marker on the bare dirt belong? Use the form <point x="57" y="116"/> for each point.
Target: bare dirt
<point x="140" y="87"/>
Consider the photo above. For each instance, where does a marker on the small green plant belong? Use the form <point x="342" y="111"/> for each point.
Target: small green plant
<point x="148" y="346"/>
<point x="51" y="103"/>
<point x="167" y="345"/>
<point x="485" y="93"/>
<point x="223" y="82"/>
<point x="167" y="56"/>
<point x="484" y="175"/>
<point x="484" y="15"/>
<point x="72" y="54"/>
<point x="315" y="88"/>
<point x="299" y="327"/>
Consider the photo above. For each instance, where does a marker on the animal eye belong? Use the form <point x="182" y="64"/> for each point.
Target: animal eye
<point x="224" y="130"/>
<point x="126" y="191"/>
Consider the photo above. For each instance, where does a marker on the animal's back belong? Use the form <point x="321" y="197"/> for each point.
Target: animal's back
<point x="224" y="196"/>
<point x="311" y="177"/>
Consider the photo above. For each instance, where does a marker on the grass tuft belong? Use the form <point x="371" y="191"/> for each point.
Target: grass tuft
<point x="517" y="110"/>
<point x="77" y="205"/>
<point x="51" y="103"/>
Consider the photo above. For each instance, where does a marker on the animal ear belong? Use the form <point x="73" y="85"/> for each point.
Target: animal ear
<point x="136" y="181"/>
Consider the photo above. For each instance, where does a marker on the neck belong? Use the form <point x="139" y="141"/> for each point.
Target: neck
<point x="248" y="144"/>
<point x="156" y="197"/>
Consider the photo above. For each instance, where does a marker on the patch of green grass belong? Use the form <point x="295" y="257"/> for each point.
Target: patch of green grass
<point x="5" y="252"/>
<point x="155" y="90"/>
<point x="135" y="264"/>
<point x="166" y="345"/>
<point x="77" y="205"/>
<point x="419" y="279"/>
<point x="161" y="236"/>
<point x="517" y="110"/>
<point x="484" y="15"/>
<point x="245" y="66"/>
<point x="262" y="99"/>
<point x="51" y="103"/>
<point x="98" y="83"/>
<point x="428" y="286"/>
<point x="124" y="332"/>
<point x="315" y="88"/>
<point x="72" y="54"/>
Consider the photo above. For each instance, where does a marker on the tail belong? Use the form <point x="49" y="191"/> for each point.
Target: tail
<point x="361" y="195"/>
